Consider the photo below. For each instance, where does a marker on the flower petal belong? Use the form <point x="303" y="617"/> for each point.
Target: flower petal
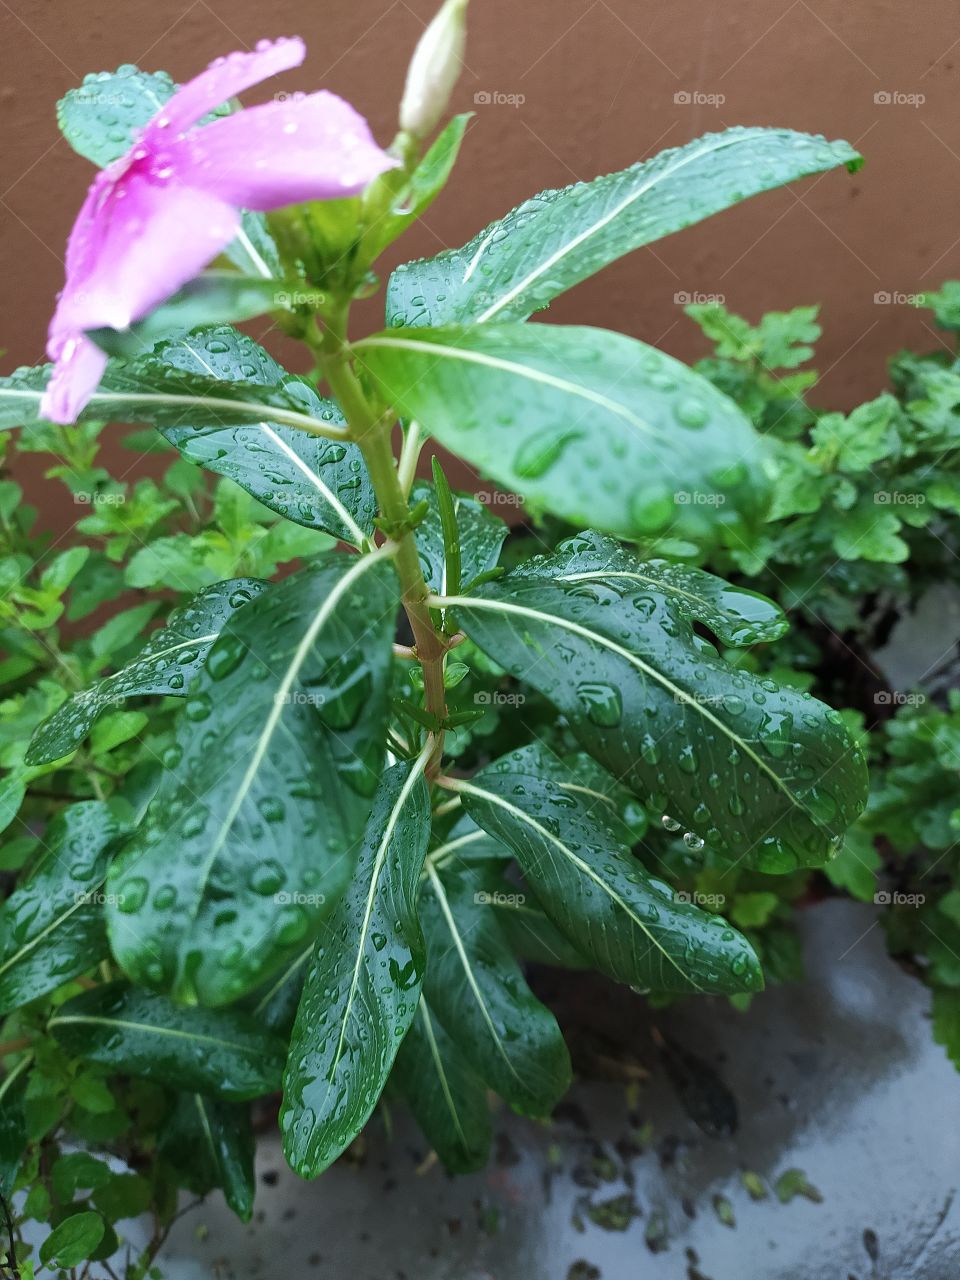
<point x="76" y="375"/>
<point x="139" y="242"/>
<point x="226" y="77"/>
<point x="312" y="147"/>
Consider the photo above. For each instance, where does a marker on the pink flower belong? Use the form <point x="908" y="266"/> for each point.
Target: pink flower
<point x="156" y="217"/>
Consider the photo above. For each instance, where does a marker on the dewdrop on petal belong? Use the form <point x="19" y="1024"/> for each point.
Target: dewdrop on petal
<point x="434" y="70"/>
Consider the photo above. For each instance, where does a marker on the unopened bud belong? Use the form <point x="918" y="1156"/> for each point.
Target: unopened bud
<point x="434" y="70"/>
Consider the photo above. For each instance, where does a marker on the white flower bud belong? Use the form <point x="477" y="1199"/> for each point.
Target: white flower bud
<point x="434" y="70"/>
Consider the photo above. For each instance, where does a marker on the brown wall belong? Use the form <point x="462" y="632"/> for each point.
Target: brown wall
<point x="599" y="79"/>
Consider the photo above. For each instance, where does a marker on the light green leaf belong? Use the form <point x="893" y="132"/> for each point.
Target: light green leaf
<point x="520" y="263"/>
<point x="574" y="851"/>
<point x="258" y="818"/>
<point x="219" y="1052"/>
<point x="767" y="775"/>
<point x="167" y="663"/>
<point x="74" y="1240"/>
<point x="591" y="425"/>
<point x="481" y="536"/>
<point x="364" y="982"/>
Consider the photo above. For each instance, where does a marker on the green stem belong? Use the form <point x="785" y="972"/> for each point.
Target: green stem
<point x="371" y="429"/>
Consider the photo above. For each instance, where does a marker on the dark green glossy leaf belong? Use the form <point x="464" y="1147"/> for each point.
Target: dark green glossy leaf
<point x="476" y="988"/>
<point x="465" y="845"/>
<point x="364" y="982"/>
<point x="214" y="297"/>
<point x="767" y="775"/>
<point x="211" y="1144"/>
<point x="531" y="933"/>
<point x="168" y="662"/>
<point x="448" y="1100"/>
<point x="322" y="484"/>
<point x="575" y="853"/>
<point x="101" y="118"/>
<point x="13" y="1128"/>
<point x="591" y="425"/>
<point x="481" y="536"/>
<point x="73" y="1241"/>
<point x="52" y="927"/>
<point x="520" y="263"/>
<point x="212" y="1051"/>
<point x="256" y="825"/>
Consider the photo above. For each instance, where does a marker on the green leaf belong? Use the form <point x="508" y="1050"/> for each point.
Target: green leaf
<point x="574" y="851"/>
<point x="593" y="426"/>
<point x="74" y="1240"/>
<point x="856" y="865"/>
<point x="319" y="483"/>
<point x="481" y="536"/>
<point x="214" y="297"/>
<point x="448" y="1100"/>
<point x="946" y="1021"/>
<point x="520" y="263"/>
<point x="52" y="927"/>
<point x="101" y="119"/>
<point x="148" y="390"/>
<point x="530" y="931"/>
<point x="125" y="1195"/>
<point x="219" y="1052"/>
<point x="476" y="988"/>
<point x="364" y="982"/>
<point x="255" y="827"/>
<point x="415" y="195"/>
<point x="211" y="1144"/>
<point x="13" y="1129"/>
<point x="167" y="663"/>
<point x="767" y="775"/>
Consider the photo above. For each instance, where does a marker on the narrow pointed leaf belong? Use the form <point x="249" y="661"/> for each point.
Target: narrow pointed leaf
<point x="476" y="988"/>
<point x="767" y="775"/>
<point x="256" y="824"/>
<point x="520" y="263"/>
<point x="575" y="854"/>
<point x="448" y="1100"/>
<point x="591" y="425"/>
<point x="52" y="927"/>
<point x="13" y="1125"/>
<point x="322" y="484"/>
<point x="481" y="535"/>
<point x="218" y="1052"/>
<point x="166" y="665"/>
<point x="364" y="982"/>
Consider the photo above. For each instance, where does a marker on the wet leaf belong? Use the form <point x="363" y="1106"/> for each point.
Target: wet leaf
<point x="219" y="1052"/>
<point x="364" y="982"/>
<point x="256" y="824"/>
<point x="765" y="774"/>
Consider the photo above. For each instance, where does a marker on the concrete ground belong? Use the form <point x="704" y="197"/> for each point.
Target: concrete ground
<point x="837" y="1080"/>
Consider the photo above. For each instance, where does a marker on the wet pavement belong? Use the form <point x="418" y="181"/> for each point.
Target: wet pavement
<point x="842" y="1164"/>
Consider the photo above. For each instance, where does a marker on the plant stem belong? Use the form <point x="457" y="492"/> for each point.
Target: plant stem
<point x="371" y="429"/>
